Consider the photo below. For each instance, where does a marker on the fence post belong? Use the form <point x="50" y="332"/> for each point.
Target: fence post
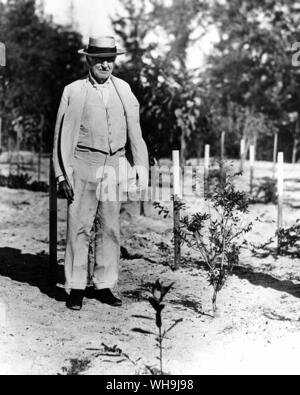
<point x="275" y="149"/>
<point x="18" y="149"/>
<point x="0" y="135"/>
<point x="222" y="158"/>
<point x="242" y="153"/>
<point x="2" y="64"/>
<point x="252" y="161"/>
<point x="176" y="208"/>
<point x="206" y="168"/>
<point x="52" y="223"/>
<point x="41" y="126"/>
<point x="9" y="153"/>
<point x="2" y="55"/>
<point x="280" y="198"/>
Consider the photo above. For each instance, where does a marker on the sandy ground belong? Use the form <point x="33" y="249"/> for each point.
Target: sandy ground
<point x="256" y="331"/>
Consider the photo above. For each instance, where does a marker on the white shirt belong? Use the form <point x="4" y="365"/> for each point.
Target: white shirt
<point x="102" y="89"/>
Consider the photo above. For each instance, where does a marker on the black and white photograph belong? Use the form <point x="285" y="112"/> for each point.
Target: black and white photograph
<point x="149" y="190"/>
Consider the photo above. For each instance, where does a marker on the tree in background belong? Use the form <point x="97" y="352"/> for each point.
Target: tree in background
<point x="41" y="59"/>
<point x="169" y="93"/>
<point x="252" y="67"/>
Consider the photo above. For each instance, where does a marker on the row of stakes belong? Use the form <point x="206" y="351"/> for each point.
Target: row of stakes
<point x="177" y="188"/>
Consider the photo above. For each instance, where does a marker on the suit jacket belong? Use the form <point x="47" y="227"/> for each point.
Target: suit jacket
<point x="68" y="126"/>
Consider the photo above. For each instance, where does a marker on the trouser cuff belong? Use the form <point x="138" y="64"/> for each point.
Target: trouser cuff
<point x="99" y="286"/>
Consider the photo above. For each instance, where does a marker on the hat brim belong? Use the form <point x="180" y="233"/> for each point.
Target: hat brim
<point x="101" y="55"/>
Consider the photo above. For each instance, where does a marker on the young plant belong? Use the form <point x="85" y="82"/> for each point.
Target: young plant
<point x="265" y="192"/>
<point x="288" y="243"/>
<point x="218" y="236"/>
<point x="289" y="240"/>
<point x="161" y="209"/>
<point x="159" y="291"/>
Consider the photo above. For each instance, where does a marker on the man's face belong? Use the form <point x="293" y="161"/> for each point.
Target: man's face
<point x="101" y="68"/>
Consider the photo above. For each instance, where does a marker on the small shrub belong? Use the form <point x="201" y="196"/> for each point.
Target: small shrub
<point x="218" y="239"/>
<point x="38" y="186"/>
<point x="22" y="181"/>
<point x="289" y="240"/>
<point x="288" y="243"/>
<point x="15" y="181"/>
<point x="265" y="192"/>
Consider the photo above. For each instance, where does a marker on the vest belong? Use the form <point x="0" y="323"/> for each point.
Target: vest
<point x="103" y="128"/>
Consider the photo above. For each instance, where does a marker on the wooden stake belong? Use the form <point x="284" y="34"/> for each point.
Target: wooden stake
<point x="0" y="135"/>
<point x="41" y="146"/>
<point x="252" y="161"/>
<point x="176" y="209"/>
<point x="275" y="149"/>
<point x="52" y="223"/>
<point x="18" y="150"/>
<point x="2" y="55"/>
<point x="296" y="142"/>
<point x="222" y="178"/>
<point x="2" y="64"/>
<point x="9" y="153"/>
<point x="222" y="146"/>
<point x="280" y="197"/>
<point x="242" y="153"/>
<point x="206" y="168"/>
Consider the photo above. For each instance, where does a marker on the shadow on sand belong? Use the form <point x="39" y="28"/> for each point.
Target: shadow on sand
<point x="263" y="280"/>
<point x="267" y="281"/>
<point x="33" y="270"/>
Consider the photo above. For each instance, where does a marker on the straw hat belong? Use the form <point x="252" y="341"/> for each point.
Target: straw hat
<point x="103" y="46"/>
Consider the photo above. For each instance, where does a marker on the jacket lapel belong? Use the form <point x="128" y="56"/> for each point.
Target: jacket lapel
<point x="71" y="124"/>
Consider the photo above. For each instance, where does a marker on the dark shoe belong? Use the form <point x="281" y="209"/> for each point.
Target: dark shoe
<point x="75" y="299"/>
<point x="107" y="297"/>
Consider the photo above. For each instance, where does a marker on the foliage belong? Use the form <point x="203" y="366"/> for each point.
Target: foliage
<point x="288" y="243"/>
<point x="251" y="67"/>
<point x="170" y="98"/>
<point x="289" y="240"/>
<point x="162" y="210"/>
<point x="23" y="181"/>
<point x="159" y="291"/>
<point x="217" y="234"/>
<point x="247" y="88"/>
<point x="265" y="192"/>
<point x="41" y="59"/>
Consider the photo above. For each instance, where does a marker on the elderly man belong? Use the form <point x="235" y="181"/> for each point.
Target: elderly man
<point x="97" y="127"/>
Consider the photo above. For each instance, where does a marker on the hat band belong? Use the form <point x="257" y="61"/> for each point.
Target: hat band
<point x="94" y="50"/>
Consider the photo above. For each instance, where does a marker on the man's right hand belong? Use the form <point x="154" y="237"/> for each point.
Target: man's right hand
<point x="66" y="191"/>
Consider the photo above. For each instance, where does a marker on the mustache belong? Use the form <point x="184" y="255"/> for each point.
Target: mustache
<point x="103" y="68"/>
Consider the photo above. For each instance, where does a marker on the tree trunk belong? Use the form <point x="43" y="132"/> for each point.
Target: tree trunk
<point x="296" y="142"/>
<point x="214" y="301"/>
<point x="183" y="149"/>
